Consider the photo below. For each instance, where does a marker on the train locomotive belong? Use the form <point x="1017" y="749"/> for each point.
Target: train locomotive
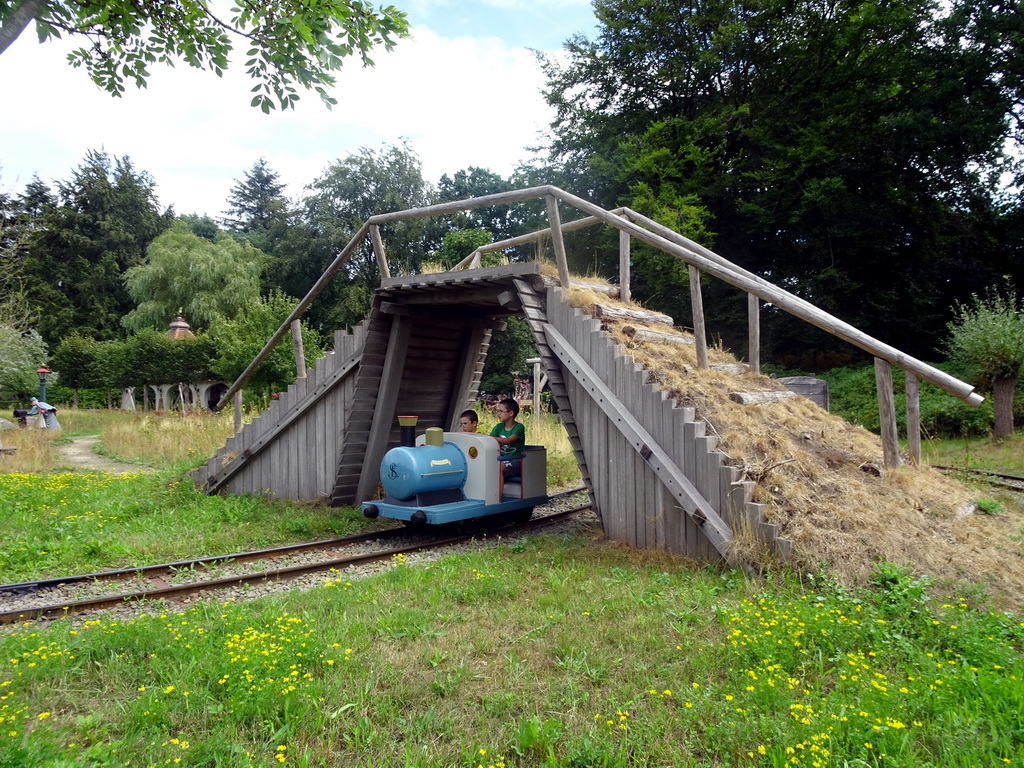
<point x="452" y="477"/>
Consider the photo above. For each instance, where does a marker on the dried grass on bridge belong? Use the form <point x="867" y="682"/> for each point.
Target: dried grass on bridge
<point x="808" y="467"/>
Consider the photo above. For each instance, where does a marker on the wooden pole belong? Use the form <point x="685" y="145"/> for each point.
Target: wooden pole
<point x="887" y="414"/>
<point x="754" y="332"/>
<point x="556" y="240"/>
<point x="378" y="251"/>
<point x="300" y="354"/>
<point x="697" y="300"/>
<point x="913" y="418"/>
<point x="624" y="294"/>
<point x="238" y="411"/>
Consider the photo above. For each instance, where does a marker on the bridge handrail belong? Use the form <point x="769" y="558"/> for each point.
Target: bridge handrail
<point x="635" y="225"/>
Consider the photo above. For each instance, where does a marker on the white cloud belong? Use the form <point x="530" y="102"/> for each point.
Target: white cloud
<point x="459" y="101"/>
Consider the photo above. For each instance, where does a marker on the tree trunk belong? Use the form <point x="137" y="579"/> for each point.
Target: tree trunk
<point x="1002" y="404"/>
<point x="16" y="22"/>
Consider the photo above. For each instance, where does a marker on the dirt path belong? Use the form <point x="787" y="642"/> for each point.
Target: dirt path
<point x="80" y="453"/>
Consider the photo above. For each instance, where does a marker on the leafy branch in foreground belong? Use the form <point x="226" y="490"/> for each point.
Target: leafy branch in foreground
<point x="292" y="43"/>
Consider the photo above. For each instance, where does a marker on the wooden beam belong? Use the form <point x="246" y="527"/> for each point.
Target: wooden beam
<point x="624" y="289"/>
<point x="651" y="336"/>
<point x="700" y="336"/>
<point x="455" y="206"/>
<point x="913" y="418"/>
<point x="757" y="398"/>
<point x="887" y="414"/>
<point x="607" y="290"/>
<point x="378" y="251"/>
<point x="300" y="354"/>
<point x="661" y="463"/>
<point x="384" y="409"/>
<point x="754" y="332"/>
<point x="556" y="239"/>
<point x="632" y="315"/>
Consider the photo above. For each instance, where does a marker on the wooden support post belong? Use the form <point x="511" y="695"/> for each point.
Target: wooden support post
<point x="238" y="411"/>
<point x="624" y="293"/>
<point x="754" y="332"/>
<point x="467" y="373"/>
<point x="556" y="239"/>
<point x="384" y="409"/>
<point x="378" y="251"/>
<point x="538" y="385"/>
<point x="697" y="300"/>
<point x="300" y="354"/>
<point x="887" y="414"/>
<point x="913" y="418"/>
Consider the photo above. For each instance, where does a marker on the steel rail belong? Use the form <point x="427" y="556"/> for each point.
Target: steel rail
<point x="29" y="587"/>
<point x="57" y="610"/>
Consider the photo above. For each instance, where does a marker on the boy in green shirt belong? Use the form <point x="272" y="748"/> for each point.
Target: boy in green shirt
<point x="511" y="436"/>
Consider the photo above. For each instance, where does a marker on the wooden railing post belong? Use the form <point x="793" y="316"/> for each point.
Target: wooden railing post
<point x="887" y="414"/>
<point x="754" y="332"/>
<point x="238" y="411"/>
<point x="378" y="251"/>
<point x="697" y="300"/>
<point x="300" y="354"/>
<point x="913" y="418"/>
<point x="556" y="239"/>
<point x="624" y="293"/>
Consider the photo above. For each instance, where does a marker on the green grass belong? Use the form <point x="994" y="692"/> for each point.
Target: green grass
<point x="555" y="652"/>
<point x="1005" y="456"/>
<point x="548" y="652"/>
<point x="61" y="523"/>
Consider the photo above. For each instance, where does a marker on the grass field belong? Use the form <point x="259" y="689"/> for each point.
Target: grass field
<point x="560" y="652"/>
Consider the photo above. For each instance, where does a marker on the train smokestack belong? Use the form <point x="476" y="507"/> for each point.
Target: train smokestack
<point x="407" y="431"/>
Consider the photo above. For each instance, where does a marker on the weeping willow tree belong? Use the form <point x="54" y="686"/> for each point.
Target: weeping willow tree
<point x="202" y="280"/>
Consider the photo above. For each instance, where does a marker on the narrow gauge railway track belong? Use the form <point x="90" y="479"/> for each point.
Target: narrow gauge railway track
<point x="162" y="590"/>
<point x="1012" y="482"/>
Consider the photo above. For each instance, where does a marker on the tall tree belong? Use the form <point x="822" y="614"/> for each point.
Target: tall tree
<point x="348" y="193"/>
<point x="258" y="213"/>
<point x="257" y="208"/>
<point x="289" y="42"/>
<point x="845" y="150"/>
<point x="203" y="280"/>
<point x="80" y="246"/>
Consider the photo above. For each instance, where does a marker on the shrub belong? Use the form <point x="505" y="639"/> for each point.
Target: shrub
<point x="852" y="395"/>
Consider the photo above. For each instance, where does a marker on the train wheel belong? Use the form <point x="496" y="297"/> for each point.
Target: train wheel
<point x="469" y="527"/>
<point x="521" y="516"/>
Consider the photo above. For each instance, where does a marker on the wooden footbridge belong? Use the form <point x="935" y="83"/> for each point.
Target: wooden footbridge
<point x="655" y="477"/>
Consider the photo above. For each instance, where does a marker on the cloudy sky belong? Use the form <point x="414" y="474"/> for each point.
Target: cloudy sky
<point x="464" y="90"/>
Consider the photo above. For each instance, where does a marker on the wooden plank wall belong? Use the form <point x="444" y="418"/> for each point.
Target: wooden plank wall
<point x="301" y="462"/>
<point x="634" y="507"/>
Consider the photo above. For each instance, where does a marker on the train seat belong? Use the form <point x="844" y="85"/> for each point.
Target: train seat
<point x="534" y="479"/>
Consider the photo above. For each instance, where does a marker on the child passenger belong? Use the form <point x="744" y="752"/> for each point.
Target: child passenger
<point x="511" y="436"/>
<point x="468" y="421"/>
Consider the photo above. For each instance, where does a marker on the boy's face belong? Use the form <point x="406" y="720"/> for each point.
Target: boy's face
<point x="504" y="414"/>
<point x="467" y="424"/>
